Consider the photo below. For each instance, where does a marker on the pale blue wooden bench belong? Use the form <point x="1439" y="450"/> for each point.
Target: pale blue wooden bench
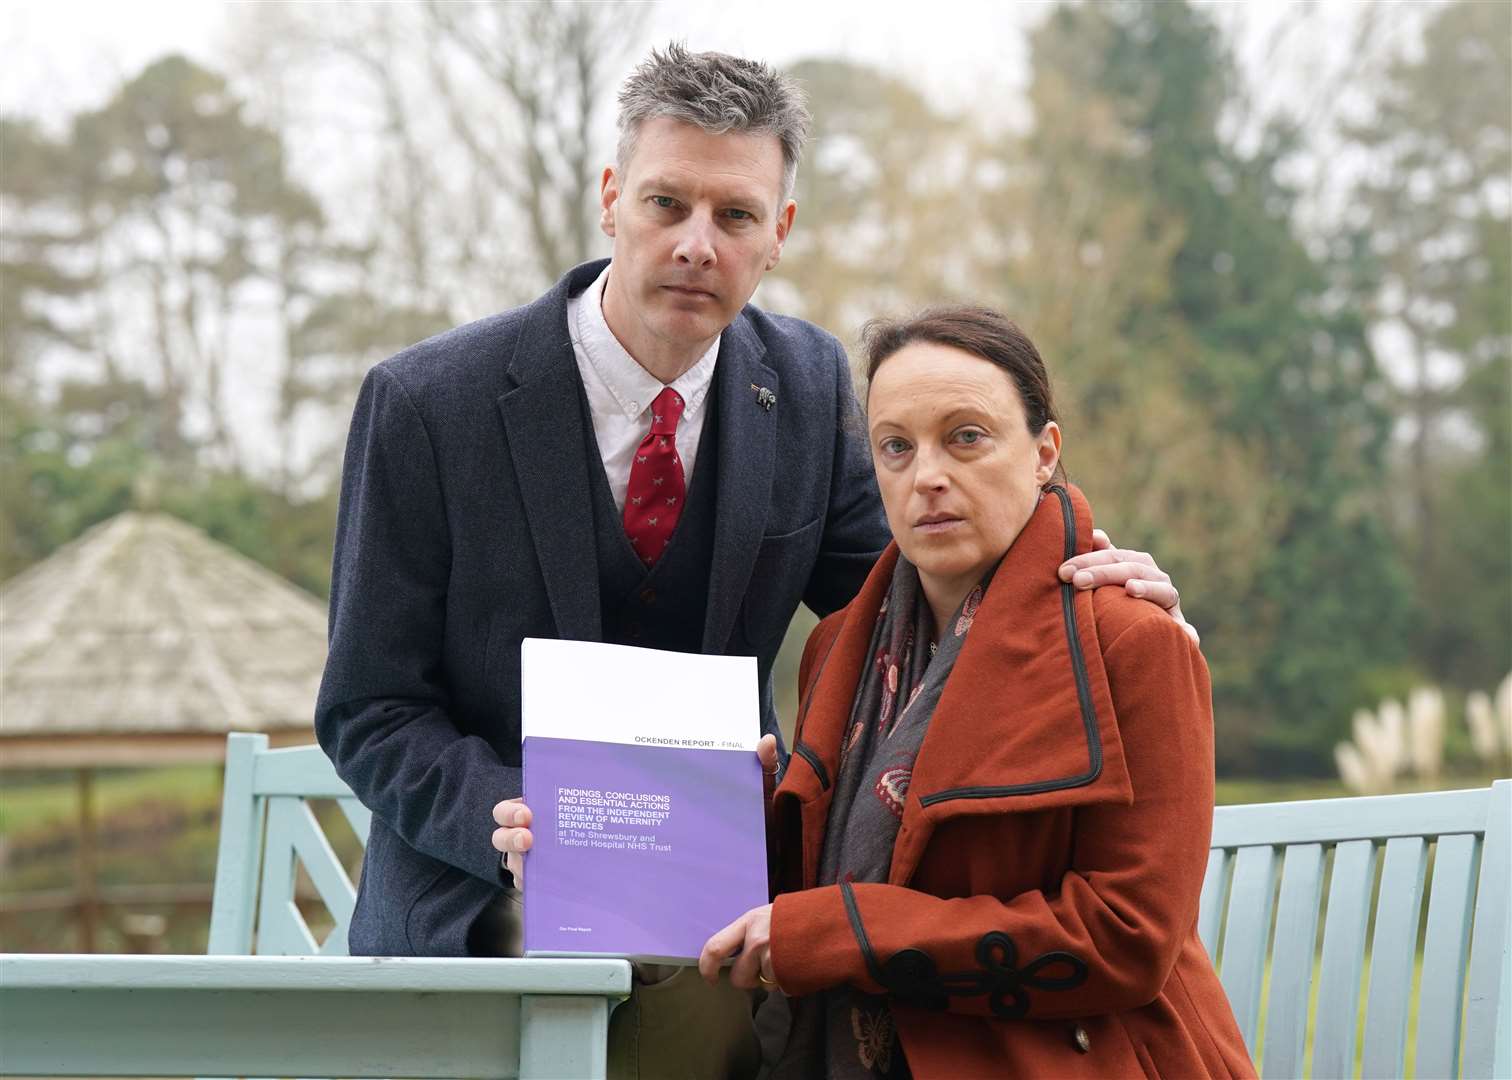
<point x="310" y="1011"/>
<point x="1263" y="897"/>
<point x="270" y="1000"/>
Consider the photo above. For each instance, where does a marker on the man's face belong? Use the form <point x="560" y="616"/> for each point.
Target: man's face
<point x="696" y="220"/>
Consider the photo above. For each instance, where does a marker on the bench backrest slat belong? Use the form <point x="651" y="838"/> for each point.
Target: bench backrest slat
<point x="1392" y="951"/>
<point x="1214" y="893"/>
<point x="238" y="860"/>
<point x="1489" y="1001"/>
<point x="281" y="931"/>
<point x="1343" y="958"/>
<point x="1445" y="950"/>
<point x="1292" y="960"/>
<point x="295" y="836"/>
<point x="1246" y="934"/>
<point x="359" y="817"/>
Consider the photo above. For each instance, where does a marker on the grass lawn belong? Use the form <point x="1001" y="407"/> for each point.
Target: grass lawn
<point x="1245" y="790"/>
<point x="38" y="799"/>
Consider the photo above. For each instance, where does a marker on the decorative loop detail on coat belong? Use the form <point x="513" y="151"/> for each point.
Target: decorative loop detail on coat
<point x="911" y="976"/>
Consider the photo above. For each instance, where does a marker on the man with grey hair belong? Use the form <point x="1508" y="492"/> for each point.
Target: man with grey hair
<point x="640" y="456"/>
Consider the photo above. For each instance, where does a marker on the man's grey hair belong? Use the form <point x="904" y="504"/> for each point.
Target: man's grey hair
<point x="718" y="93"/>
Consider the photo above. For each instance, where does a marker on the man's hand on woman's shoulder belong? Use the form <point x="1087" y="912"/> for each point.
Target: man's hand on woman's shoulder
<point x="1136" y="571"/>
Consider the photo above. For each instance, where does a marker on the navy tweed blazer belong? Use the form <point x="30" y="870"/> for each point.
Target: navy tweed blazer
<point x="465" y="525"/>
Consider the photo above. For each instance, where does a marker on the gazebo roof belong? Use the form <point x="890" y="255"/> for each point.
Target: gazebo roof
<point x="145" y="640"/>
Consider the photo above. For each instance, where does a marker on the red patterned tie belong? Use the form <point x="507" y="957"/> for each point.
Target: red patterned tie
<point x="654" y="499"/>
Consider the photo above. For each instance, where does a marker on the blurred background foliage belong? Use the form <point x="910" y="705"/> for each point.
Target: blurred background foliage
<point x="1304" y="415"/>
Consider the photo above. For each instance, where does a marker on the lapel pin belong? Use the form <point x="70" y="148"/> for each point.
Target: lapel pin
<point x="764" y="397"/>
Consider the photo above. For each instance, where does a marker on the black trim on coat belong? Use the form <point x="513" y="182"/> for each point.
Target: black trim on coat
<point x="858" y="928"/>
<point x="911" y="976"/>
<point x="1083" y="695"/>
<point x="813" y="759"/>
<point x="802" y="751"/>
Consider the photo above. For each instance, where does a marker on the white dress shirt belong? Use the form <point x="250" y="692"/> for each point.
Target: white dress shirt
<point x="620" y="391"/>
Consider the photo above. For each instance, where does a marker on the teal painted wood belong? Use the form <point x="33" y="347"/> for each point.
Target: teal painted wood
<point x="1376" y="817"/>
<point x="564" y="1038"/>
<point x="1214" y="892"/>
<point x="1292" y="960"/>
<point x="236" y="863"/>
<point x="294" y="837"/>
<point x="1488" y="1004"/>
<point x="176" y="1016"/>
<point x="1343" y="958"/>
<point x="1392" y="952"/>
<point x="1246" y="935"/>
<point x="1445" y="949"/>
<point x="281" y="930"/>
<point x="154" y="1020"/>
<point x="262" y="834"/>
<point x="92" y="971"/>
<point x="326" y="873"/>
<point x="359" y="817"/>
<point x="1502" y="1059"/>
<point x="304" y="771"/>
<point x="1357" y="827"/>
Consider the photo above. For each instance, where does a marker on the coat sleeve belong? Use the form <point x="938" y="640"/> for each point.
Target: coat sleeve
<point x="382" y="714"/>
<point x="855" y="528"/>
<point x="1106" y="940"/>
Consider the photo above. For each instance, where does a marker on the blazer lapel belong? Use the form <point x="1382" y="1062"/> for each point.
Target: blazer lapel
<point x="747" y="445"/>
<point x="543" y="423"/>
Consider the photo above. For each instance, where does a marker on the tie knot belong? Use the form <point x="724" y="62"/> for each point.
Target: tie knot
<point x="666" y="411"/>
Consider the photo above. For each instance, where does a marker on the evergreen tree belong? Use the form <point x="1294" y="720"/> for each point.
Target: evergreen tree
<point x="1278" y="364"/>
<point x="1433" y="228"/>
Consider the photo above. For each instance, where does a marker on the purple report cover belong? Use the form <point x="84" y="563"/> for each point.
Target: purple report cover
<point x="641" y="773"/>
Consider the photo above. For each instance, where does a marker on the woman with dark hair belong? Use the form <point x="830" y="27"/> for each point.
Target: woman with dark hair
<point x="992" y="834"/>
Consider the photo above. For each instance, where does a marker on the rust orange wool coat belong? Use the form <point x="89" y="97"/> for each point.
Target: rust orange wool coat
<point x="1040" y="915"/>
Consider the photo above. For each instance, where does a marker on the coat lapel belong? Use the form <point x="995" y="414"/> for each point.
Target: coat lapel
<point x="826" y="708"/>
<point x="1026" y="721"/>
<point x="747" y="445"/>
<point x="543" y="423"/>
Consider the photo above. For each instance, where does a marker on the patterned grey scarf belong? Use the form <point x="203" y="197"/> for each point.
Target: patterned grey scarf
<point x="895" y="701"/>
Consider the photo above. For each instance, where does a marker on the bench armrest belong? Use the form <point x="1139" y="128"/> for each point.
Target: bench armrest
<point x="65" y="1015"/>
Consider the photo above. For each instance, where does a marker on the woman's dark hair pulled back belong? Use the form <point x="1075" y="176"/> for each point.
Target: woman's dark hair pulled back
<point x="979" y="331"/>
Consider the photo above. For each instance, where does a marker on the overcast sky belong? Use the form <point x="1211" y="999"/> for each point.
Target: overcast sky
<point x="63" y="54"/>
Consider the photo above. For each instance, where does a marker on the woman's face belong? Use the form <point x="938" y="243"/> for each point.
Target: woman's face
<point x="959" y="470"/>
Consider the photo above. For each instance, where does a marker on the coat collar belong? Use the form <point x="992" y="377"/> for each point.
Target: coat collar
<point x="1026" y="719"/>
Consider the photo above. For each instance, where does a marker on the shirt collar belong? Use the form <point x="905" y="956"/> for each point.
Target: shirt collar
<point x="631" y="386"/>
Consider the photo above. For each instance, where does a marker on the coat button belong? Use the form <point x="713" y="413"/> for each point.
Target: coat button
<point x="1082" y="1039"/>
